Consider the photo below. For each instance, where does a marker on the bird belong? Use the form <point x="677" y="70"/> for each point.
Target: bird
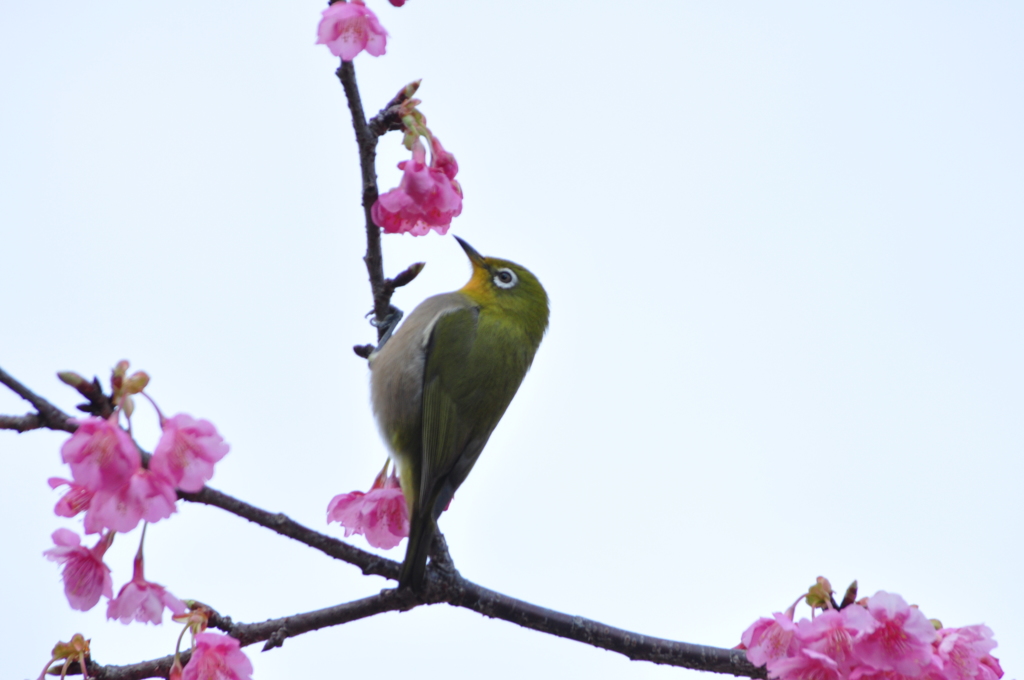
<point x="442" y="381"/>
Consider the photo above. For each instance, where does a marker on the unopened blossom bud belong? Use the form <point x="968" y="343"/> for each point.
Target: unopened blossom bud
<point x="118" y="373"/>
<point x="72" y="378"/>
<point x="409" y="90"/>
<point x="197" y="618"/>
<point x="820" y="594"/>
<point x="136" y="382"/>
<point x="850" y="596"/>
<point x="77" y="649"/>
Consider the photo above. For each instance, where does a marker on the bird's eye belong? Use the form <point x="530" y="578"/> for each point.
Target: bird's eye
<point x="505" y="278"/>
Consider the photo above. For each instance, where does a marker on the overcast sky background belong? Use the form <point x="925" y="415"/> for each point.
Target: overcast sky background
<point x="783" y="245"/>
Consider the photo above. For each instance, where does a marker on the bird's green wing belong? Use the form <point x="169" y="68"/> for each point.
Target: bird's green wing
<point x="444" y="376"/>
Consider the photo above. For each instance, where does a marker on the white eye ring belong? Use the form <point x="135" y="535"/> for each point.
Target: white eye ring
<point x="505" y="278"/>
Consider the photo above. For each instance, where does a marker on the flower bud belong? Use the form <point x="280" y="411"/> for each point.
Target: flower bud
<point x="850" y="597"/>
<point x="136" y="382"/>
<point x="73" y="379"/>
<point x="409" y="90"/>
<point x="820" y="594"/>
<point x="68" y="650"/>
<point x="117" y="377"/>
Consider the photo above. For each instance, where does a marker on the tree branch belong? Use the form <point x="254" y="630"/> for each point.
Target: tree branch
<point x="48" y="415"/>
<point x="29" y="421"/>
<point x="449" y="587"/>
<point x="445" y="585"/>
<point x="282" y="524"/>
<point x="367" y="142"/>
<point x="274" y="632"/>
<point x="366" y="138"/>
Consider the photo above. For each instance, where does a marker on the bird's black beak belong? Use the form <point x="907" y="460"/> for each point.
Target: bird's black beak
<point x="476" y="258"/>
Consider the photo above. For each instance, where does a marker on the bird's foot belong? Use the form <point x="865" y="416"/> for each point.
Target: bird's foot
<point x="386" y="326"/>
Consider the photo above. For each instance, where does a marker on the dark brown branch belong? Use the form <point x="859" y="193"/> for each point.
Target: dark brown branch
<point x="29" y="421"/>
<point x="445" y="584"/>
<point x="274" y="632"/>
<point x="49" y="415"/>
<point x="282" y="524"/>
<point x="367" y="142"/>
<point x="635" y="646"/>
<point x="389" y="118"/>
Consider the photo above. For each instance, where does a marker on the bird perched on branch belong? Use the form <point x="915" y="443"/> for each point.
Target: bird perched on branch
<point x="441" y="383"/>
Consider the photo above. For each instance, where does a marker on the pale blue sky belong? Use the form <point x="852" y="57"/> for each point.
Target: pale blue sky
<point x="783" y="245"/>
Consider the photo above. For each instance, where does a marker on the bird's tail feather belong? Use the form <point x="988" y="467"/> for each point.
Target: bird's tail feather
<point x="421" y="537"/>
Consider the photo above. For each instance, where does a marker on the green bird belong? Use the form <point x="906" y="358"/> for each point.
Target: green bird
<point x="441" y="383"/>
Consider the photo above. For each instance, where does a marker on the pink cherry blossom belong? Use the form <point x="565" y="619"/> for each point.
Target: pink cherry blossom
<point x="900" y="639"/>
<point x="186" y="452"/>
<point x="102" y="456"/>
<point x="143" y="601"/>
<point x="217" y="657"/>
<point x="85" y="575"/>
<point x="348" y="28"/>
<point x="989" y="668"/>
<point x="427" y="197"/>
<point x="147" y="496"/>
<point x="832" y="633"/>
<point x="770" y="639"/>
<point x="806" y="665"/>
<point x="74" y="501"/>
<point x="865" y="672"/>
<point x="380" y="514"/>
<point x="962" y="650"/>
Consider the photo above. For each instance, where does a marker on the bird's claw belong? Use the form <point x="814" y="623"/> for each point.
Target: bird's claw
<point x="388" y="324"/>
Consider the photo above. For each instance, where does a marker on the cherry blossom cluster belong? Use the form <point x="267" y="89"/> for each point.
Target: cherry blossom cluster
<point x="877" y="638"/>
<point x="116" y="491"/>
<point x="214" y="656"/>
<point x="428" y="197"/>
<point x="380" y="514"/>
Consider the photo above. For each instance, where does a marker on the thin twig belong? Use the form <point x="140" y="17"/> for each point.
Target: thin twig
<point x="49" y="415"/>
<point x="366" y="138"/>
<point x="367" y="142"/>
